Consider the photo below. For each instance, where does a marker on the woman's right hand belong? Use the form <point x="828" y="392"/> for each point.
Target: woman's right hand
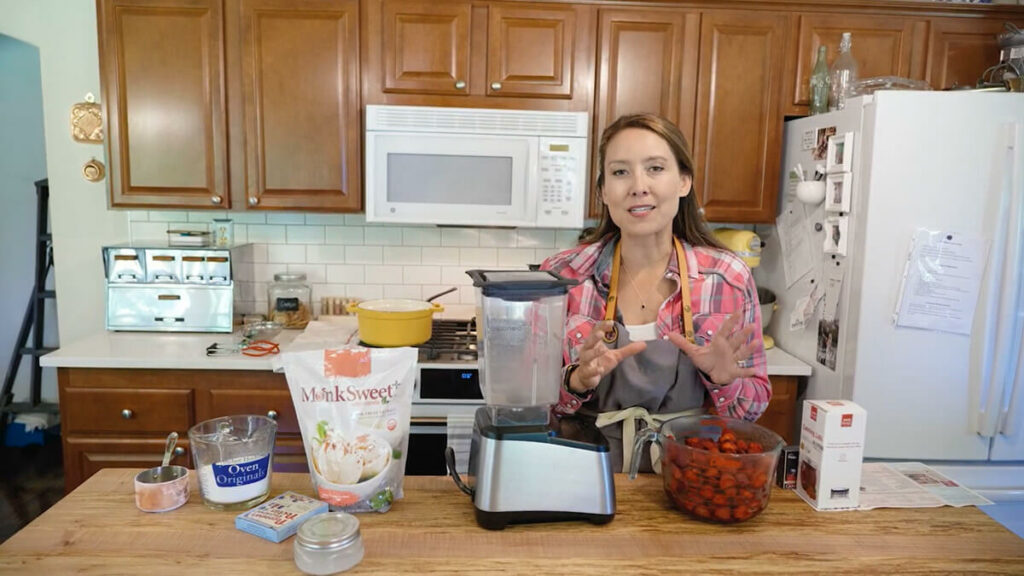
<point x="596" y="359"/>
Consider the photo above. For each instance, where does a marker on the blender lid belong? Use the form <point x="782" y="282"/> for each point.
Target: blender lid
<point x="520" y="284"/>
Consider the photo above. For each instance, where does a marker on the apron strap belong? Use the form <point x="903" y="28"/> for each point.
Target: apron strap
<point x="628" y="417"/>
<point x="684" y="290"/>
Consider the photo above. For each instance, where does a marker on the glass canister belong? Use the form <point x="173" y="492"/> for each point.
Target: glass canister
<point x="328" y="544"/>
<point x="233" y="458"/>
<point x="288" y="300"/>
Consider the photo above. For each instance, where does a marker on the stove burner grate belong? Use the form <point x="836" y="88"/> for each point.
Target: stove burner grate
<point x="451" y="340"/>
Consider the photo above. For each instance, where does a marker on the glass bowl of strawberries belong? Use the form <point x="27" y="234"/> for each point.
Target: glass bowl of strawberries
<point x="716" y="469"/>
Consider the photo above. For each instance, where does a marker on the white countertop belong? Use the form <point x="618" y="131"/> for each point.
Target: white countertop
<point x="187" y="351"/>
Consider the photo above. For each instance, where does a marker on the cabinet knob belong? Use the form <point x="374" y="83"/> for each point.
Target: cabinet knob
<point x="272" y="414"/>
<point x="216" y="199"/>
<point x="253" y="200"/>
<point x="179" y="451"/>
<point x="495" y="85"/>
<point x="460" y="85"/>
<point x="127" y="414"/>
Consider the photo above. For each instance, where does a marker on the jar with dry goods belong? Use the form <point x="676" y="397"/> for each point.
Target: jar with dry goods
<point x="288" y="300"/>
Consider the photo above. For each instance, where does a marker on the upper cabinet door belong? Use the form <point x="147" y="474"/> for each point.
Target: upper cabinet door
<point x="425" y="46"/>
<point x="163" y="100"/>
<point x="961" y="50"/>
<point x="647" y="62"/>
<point x="299" y="64"/>
<point x="530" y="50"/>
<point x="882" y="46"/>
<point x="739" y="121"/>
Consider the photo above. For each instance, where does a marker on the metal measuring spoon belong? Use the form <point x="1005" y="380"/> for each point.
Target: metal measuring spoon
<point x="172" y="439"/>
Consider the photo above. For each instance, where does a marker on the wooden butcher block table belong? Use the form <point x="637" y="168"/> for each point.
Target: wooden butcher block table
<point x="97" y="530"/>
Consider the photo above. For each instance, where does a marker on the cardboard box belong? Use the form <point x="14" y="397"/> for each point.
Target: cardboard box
<point x="280" y="517"/>
<point x="785" y="474"/>
<point x="831" y="454"/>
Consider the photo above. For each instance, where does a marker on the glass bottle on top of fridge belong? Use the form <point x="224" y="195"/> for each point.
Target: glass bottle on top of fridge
<point x="819" y="84"/>
<point x="842" y="76"/>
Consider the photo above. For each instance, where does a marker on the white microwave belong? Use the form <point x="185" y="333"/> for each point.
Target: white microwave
<point x="476" y="167"/>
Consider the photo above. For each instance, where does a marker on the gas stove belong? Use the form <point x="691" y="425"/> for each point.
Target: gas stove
<point x="451" y="341"/>
<point x="448" y="378"/>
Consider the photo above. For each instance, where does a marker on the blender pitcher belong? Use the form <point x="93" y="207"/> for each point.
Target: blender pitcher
<point x="521" y="316"/>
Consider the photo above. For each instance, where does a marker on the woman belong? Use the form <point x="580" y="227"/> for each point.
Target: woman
<point x="639" y="343"/>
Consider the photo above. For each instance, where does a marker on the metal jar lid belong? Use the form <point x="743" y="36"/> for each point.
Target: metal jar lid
<point x="290" y="277"/>
<point x="329" y="531"/>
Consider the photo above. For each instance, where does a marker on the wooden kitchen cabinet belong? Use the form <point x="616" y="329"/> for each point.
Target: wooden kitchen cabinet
<point x="882" y="46"/>
<point x="293" y="74"/>
<point x="499" y="55"/>
<point x="961" y="50"/>
<point x="646" y="62"/>
<point x="98" y="433"/>
<point x="782" y="414"/>
<point x="738" y="137"/>
<point x="161" y="65"/>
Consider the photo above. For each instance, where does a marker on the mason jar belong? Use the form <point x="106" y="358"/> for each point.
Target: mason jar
<point x="289" y="300"/>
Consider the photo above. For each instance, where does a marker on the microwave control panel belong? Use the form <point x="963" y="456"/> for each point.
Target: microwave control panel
<point x="561" y="182"/>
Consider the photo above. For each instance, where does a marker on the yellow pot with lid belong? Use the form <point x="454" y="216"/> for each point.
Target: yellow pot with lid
<point x="391" y="322"/>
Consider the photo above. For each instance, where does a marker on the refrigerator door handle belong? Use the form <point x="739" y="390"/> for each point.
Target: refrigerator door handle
<point x="993" y="331"/>
<point x="1008" y="417"/>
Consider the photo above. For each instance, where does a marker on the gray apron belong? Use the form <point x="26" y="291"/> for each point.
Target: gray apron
<point x="648" y="388"/>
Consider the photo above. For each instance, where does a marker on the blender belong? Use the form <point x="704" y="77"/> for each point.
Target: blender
<point x="524" y="465"/>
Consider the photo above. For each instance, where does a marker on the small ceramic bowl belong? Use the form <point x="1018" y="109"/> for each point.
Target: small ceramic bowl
<point x="161" y="489"/>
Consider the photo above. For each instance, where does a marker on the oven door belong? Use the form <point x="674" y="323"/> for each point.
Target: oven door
<point x="428" y="178"/>
<point x="428" y="438"/>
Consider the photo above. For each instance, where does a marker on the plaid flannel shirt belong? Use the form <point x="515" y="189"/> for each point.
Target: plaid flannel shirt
<point x="720" y="284"/>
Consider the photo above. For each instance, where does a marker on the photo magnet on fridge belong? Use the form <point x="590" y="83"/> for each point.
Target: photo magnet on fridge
<point x="839" y="157"/>
<point x="822" y="142"/>
<point x="836" y="228"/>
<point x="837" y="192"/>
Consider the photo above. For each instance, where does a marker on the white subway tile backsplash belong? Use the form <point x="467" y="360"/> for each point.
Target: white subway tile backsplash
<point x="168" y="216"/>
<point x="196" y="226"/>
<point x="415" y="236"/>
<point x="380" y="236"/>
<point x="286" y="253"/>
<point x="567" y="238"/>
<point x="535" y="238"/>
<point x="498" y="238"/>
<point x="478" y="256"/>
<point x="305" y="234"/>
<point x="138" y="215"/>
<point x="326" y="219"/>
<point x="248" y="217"/>
<point x="363" y="255"/>
<point x="355" y="219"/>
<point x="346" y="274"/>
<point x="148" y="230"/>
<point x="440" y="256"/>
<point x="383" y="274"/>
<point x="259" y="253"/>
<point x="403" y="291"/>
<point x="402" y="255"/>
<point x="431" y="289"/>
<point x="285" y="218"/>
<point x="327" y="290"/>
<point x="421" y="274"/>
<point x="460" y="237"/>
<point x="518" y="257"/>
<point x="364" y="291"/>
<point x="467" y="294"/>
<point x="347" y="235"/>
<point x="267" y="233"/>
<point x="455" y="276"/>
<point x="542" y="254"/>
<point x="314" y="272"/>
<point x="206" y="215"/>
<point x="264" y="273"/>
<point x="325" y="254"/>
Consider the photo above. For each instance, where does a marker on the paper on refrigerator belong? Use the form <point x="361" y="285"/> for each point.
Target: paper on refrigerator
<point x="941" y="280"/>
<point x="911" y="485"/>
<point x="795" y="242"/>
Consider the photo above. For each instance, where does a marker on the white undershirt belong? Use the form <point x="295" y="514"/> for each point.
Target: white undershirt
<point x="639" y="332"/>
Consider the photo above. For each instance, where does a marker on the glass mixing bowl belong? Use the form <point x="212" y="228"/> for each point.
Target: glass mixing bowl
<point x="702" y="475"/>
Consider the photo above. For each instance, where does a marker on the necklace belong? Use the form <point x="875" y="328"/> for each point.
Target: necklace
<point x="643" y="305"/>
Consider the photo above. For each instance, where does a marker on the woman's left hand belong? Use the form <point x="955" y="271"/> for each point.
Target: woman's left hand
<point x="720" y="359"/>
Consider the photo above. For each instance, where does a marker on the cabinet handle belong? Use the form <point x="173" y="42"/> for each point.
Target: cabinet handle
<point x="127" y="414"/>
<point x="179" y="451"/>
<point x="460" y="85"/>
<point x="272" y="414"/>
<point x="495" y="86"/>
<point x="216" y="199"/>
<point x="253" y="200"/>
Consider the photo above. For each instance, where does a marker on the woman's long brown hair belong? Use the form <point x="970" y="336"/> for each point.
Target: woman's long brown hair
<point x="688" y="224"/>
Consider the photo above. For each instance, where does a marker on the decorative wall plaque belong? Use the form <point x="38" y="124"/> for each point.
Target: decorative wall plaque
<point x="87" y="121"/>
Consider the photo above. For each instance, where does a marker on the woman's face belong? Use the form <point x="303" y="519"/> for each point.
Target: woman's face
<point x="642" y="184"/>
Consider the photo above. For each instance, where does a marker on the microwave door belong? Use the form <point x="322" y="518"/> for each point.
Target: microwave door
<point x="419" y="178"/>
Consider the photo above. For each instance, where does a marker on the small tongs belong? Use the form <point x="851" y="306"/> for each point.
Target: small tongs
<point x="247" y="347"/>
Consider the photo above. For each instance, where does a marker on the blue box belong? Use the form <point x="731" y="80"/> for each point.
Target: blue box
<point x="280" y="517"/>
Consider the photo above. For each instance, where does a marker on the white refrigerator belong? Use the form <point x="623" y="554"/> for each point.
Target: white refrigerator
<point x="924" y="166"/>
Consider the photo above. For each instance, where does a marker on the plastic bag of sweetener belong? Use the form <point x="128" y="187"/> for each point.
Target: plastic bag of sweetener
<point x="353" y="406"/>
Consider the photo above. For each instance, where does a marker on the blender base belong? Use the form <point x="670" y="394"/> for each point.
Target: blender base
<point x="540" y="473"/>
